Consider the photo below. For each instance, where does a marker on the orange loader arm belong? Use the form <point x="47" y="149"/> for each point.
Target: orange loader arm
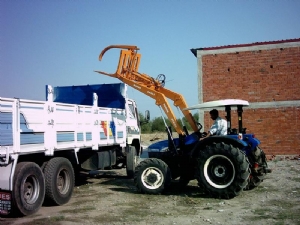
<point x="127" y="72"/>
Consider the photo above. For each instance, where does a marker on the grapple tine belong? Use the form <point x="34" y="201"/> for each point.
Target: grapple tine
<point x="129" y="47"/>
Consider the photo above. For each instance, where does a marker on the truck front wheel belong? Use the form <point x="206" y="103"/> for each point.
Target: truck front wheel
<point x="152" y="176"/>
<point x="131" y="161"/>
<point x="29" y="188"/>
<point x="59" y="178"/>
<point x="222" y="170"/>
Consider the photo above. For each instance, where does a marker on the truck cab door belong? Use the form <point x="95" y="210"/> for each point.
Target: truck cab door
<point x="132" y="122"/>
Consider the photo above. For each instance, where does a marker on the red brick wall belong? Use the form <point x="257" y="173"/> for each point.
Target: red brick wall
<point x="259" y="76"/>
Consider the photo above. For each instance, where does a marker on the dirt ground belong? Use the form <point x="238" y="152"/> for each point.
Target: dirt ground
<point x="108" y="197"/>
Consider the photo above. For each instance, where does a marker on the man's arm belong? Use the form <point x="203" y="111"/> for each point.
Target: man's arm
<point x="213" y="129"/>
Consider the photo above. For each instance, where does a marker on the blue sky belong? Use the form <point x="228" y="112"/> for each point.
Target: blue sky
<point x="57" y="42"/>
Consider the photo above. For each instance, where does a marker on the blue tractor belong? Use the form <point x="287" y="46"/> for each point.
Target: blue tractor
<point x="223" y="165"/>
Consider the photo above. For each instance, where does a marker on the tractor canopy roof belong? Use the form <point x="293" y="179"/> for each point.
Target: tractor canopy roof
<point x="220" y="103"/>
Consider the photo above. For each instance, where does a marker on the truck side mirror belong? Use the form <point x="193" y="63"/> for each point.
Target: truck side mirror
<point x="147" y="115"/>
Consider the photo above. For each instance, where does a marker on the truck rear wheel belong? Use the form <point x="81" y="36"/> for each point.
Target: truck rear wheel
<point x="222" y="170"/>
<point x="29" y="188"/>
<point x="59" y="179"/>
<point x="131" y="161"/>
<point x="152" y="176"/>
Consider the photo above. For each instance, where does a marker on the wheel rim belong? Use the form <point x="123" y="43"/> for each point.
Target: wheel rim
<point x="63" y="181"/>
<point x="219" y="171"/>
<point x="152" y="178"/>
<point x="31" y="189"/>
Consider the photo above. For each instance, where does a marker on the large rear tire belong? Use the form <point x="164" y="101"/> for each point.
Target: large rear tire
<point x="29" y="188"/>
<point x="60" y="179"/>
<point x="222" y="170"/>
<point x="152" y="176"/>
<point x="131" y="161"/>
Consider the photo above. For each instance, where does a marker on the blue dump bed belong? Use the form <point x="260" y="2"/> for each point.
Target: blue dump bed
<point x="109" y="95"/>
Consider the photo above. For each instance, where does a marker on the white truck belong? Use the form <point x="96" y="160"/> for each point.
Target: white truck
<point x="45" y="144"/>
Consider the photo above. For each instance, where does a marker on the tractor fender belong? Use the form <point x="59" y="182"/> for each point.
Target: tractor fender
<point x="252" y="141"/>
<point x="217" y="139"/>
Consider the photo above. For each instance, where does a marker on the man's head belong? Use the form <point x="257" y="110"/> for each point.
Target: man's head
<point x="214" y="114"/>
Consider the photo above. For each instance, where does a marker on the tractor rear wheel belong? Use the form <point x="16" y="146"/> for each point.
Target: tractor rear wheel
<point x="152" y="176"/>
<point x="222" y="170"/>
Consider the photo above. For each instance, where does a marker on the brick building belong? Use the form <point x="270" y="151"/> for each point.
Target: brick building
<point x="267" y="74"/>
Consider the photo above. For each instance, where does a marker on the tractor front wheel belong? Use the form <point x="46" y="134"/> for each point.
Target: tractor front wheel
<point x="222" y="170"/>
<point x="152" y="176"/>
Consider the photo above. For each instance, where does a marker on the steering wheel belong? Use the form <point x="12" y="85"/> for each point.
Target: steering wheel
<point x="202" y="134"/>
<point x="161" y="78"/>
<point x="199" y="126"/>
